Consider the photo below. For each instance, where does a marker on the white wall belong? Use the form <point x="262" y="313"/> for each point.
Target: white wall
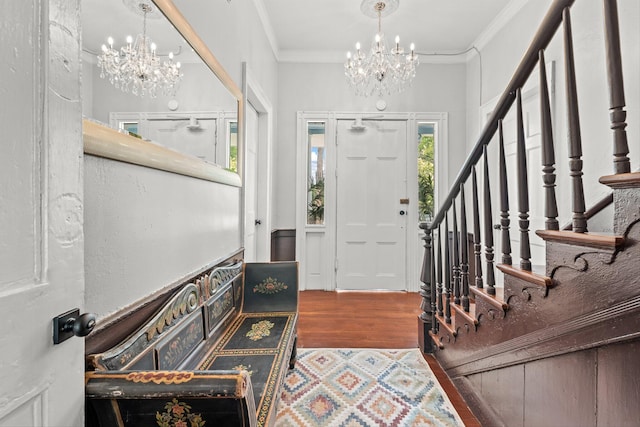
<point x="501" y="55"/>
<point x="199" y="90"/>
<point x="147" y="228"/>
<point x="322" y="87"/>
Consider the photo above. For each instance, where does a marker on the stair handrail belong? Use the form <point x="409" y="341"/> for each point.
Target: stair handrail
<point x="550" y="24"/>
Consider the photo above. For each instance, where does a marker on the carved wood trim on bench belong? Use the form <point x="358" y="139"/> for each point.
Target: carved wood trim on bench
<point x="117" y="327"/>
<point x="181" y="305"/>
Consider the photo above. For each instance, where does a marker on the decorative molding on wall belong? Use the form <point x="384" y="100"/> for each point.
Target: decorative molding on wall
<point x="102" y="141"/>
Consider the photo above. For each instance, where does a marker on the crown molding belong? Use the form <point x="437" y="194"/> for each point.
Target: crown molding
<point x="338" y="57"/>
<point x="501" y="19"/>
<point x="335" y="57"/>
<point x="268" y="28"/>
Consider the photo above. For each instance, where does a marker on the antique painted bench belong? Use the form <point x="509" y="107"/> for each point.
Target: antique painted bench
<point x="215" y="354"/>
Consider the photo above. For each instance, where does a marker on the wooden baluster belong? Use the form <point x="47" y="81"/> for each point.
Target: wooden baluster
<point x="447" y="271"/>
<point x="575" y="140"/>
<point x="434" y="324"/>
<point x="548" y="156"/>
<point x="618" y="115"/>
<point x="456" y="257"/>
<point x="439" y="273"/>
<point x="477" y="239"/>
<point x="464" y="252"/>
<point x="425" y="278"/>
<point x="488" y="224"/>
<point x="504" y="202"/>
<point x="523" y="189"/>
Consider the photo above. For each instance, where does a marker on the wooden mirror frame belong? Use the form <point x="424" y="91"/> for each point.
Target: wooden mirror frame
<point x="102" y="141"/>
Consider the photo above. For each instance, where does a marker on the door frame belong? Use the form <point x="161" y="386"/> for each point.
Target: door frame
<point x="323" y="237"/>
<point x="254" y="94"/>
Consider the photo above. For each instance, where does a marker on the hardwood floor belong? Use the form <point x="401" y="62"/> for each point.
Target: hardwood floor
<point x="369" y="320"/>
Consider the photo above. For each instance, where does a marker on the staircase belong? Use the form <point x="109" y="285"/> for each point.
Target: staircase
<point x="557" y="345"/>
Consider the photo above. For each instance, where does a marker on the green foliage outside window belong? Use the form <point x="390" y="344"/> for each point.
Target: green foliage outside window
<point x="315" y="208"/>
<point x="426" y="178"/>
<point x="233" y="159"/>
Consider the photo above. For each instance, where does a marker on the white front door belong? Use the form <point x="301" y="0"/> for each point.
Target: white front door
<point x="251" y="185"/>
<point x="371" y="221"/>
<point x="41" y="214"/>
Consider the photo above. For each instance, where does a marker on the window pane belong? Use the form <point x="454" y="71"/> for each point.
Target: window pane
<point x="232" y="143"/>
<point x="426" y="170"/>
<point x="315" y="172"/>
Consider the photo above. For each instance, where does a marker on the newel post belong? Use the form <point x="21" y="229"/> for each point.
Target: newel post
<point x="426" y="319"/>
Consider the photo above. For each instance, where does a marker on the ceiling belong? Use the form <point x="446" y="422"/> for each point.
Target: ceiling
<point x="303" y="29"/>
<point x="323" y="30"/>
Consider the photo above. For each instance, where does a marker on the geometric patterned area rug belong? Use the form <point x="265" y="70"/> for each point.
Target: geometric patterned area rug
<point x="363" y="388"/>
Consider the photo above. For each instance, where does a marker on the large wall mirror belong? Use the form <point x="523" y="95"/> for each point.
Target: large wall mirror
<point x="154" y="94"/>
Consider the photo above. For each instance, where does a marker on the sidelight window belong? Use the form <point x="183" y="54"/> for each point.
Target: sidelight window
<point x="426" y="170"/>
<point x="316" y="172"/>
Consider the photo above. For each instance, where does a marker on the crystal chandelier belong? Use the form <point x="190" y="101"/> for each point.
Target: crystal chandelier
<point x="136" y="67"/>
<point x="382" y="71"/>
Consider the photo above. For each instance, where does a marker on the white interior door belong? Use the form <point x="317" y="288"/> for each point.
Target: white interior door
<point x="371" y="221"/>
<point x="41" y="216"/>
<point x="251" y="185"/>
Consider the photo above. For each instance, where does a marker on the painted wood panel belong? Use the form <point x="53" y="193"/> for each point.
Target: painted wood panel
<point x="561" y="391"/>
<point x="505" y="391"/>
<point x="618" y="385"/>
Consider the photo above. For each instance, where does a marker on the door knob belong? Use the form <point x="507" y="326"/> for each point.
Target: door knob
<point x="257" y="222"/>
<point x="402" y="212"/>
<point x="72" y="323"/>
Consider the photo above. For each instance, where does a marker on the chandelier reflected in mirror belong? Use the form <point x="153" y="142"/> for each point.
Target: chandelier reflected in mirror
<point x="137" y="67"/>
<point x="382" y="71"/>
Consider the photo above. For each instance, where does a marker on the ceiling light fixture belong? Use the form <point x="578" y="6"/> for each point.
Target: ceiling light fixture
<point x="136" y="67"/>
<point x="382" y="71"/>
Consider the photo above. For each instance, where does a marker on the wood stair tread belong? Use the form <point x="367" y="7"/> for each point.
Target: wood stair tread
<point x="527" y="276"/>
<point x="592" y="240"/>
<point x="470" y="317"/>
<point x="622" y="180"/>
<point x="496" y="300"/>
<point x="436" y="340"/>
<point x="449" y="327"/>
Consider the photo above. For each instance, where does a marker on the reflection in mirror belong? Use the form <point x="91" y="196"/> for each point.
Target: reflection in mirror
<point x="192" y="118"/>
<point x="232" y="143"/>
